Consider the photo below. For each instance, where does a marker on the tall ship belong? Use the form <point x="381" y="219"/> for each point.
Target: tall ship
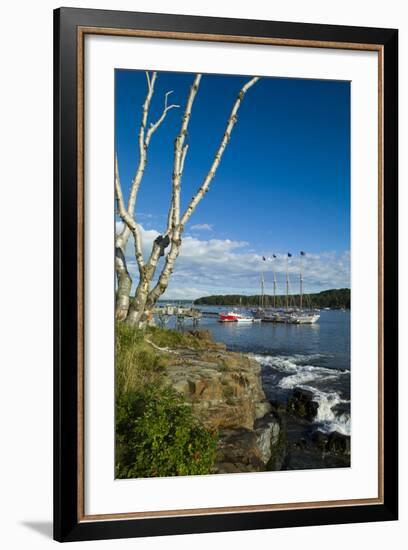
<point x="289" y="314"/>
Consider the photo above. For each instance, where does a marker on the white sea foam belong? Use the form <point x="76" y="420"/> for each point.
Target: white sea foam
<point x="289" y="362"/>
<point x="326" y="418"/>
<point x="306" y="374"/>
<point x="303" y="376"/>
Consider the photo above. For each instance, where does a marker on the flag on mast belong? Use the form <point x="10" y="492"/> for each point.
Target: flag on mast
<point x="289" y="255"/>
<point x="302" y="253"/>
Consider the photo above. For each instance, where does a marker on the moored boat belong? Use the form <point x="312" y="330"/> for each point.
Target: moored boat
<point x="234" y="317"/>
<point x="290" y="315"/>
<point x="300" y="317"/>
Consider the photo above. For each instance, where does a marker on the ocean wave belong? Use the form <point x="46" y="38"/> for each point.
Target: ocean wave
<point x="293" y="363"/>
<point x="327" y="419"/>
<point x="298" y="375"/>
<point x="287" y="359"/>
<point x="307" y="374"/>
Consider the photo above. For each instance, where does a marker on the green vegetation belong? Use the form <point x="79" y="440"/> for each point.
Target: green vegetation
<point x="156" y="432"/>
<point x="335" y="298"/>
<point x="158" y="436"/>
<point x="137" y="363"/>
<point x="173" y="339"/>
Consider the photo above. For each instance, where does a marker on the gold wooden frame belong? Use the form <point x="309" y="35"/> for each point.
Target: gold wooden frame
<point x="81" y="33"/>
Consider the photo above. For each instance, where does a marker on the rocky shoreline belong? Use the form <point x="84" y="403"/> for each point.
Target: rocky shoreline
<point x="225" y="391"/>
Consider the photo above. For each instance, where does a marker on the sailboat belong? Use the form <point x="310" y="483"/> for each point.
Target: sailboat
<point x="259" y="312"/>
<point x="267" y="314"/>
<point x="291" y="315"/>
<point x="297" y="316"/>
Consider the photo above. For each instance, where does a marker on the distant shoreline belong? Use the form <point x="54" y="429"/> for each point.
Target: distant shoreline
<point x="333" y="298"/>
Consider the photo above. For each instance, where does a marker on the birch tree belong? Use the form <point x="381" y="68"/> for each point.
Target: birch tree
<point x="140" y="311"/>
<point x="124" y="280"/>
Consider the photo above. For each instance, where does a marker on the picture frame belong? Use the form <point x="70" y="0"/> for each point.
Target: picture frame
<point x="71" y="27"/>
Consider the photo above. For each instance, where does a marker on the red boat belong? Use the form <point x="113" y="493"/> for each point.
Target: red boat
<point x="234" y="317"/>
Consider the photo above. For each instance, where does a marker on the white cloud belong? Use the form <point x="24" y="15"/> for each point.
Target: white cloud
<point x="202" y="227"/>
<point x="224" y="266"/>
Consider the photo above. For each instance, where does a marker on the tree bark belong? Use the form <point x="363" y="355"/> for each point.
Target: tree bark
<point x="139" y="314"/>
<point x="124" y="287"/>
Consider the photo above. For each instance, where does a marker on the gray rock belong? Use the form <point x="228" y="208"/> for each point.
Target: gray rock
<point x="301" y="404"/>
<point x="338" y="443"/>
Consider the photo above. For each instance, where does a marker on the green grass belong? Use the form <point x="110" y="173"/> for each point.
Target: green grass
<point x="137" y="364"/>
<point x="156" y="432"/>
<point x="173" y="339"/>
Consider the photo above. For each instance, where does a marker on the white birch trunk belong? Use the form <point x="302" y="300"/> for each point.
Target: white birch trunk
<point x="127" y="214"/>
<point x="124" y="287"/>
<point x="177" y="224"/>
<point x="141" y="311"/>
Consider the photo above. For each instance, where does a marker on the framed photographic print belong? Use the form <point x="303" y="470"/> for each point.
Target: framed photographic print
<point x="225" y="274"/>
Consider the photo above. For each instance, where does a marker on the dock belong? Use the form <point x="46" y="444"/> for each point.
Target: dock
<point x="181" y="314"/>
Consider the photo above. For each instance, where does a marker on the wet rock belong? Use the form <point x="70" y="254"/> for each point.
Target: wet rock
<point x="338" y="443"/>
<point x="320" y="439"/>
<point x="267" y="430"/>
<point x="341" y="408"/>
<point x="278" y="406"/>
<point x="248" y="450"/>
<point x="262" y="408"/>
<point x="302" y="405"/>
<point x="238" y="449"/>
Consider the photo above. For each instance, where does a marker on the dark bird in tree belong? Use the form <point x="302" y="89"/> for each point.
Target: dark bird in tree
<point x="162" y="242"/>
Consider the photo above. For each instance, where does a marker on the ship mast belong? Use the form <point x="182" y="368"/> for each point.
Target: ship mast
<point x="262" y="290"/>
<point x="262" y="297"/>
<point x="274" y="290"/>
<point x="274" y="281"/>
<point x="301" y="278"/>
<point x="287" y="281"/>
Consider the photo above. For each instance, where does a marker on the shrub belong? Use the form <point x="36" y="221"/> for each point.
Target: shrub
<point x="157" y="435"/>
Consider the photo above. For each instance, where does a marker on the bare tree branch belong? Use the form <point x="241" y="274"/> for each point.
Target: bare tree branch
<point x="144" y="142"/>
<point x="155" y="126"/>
<point x="124" y="235"/>
<point x="178" y="166"/>
<point x="142" y="149"/>
<point x="178" y="227"/>
<point x="183" y="158"/>
<point x="137" y="311"/>
<point x="180" y="153"/>
<point x="148" y="79"/>
<point x="218" y="156"/>
<point x="170" y="214"/>
<point x="128" y="220"/>
<point x="141" y="310"/>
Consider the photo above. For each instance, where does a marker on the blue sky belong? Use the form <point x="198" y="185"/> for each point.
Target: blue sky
<point x="283" y="184"/>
